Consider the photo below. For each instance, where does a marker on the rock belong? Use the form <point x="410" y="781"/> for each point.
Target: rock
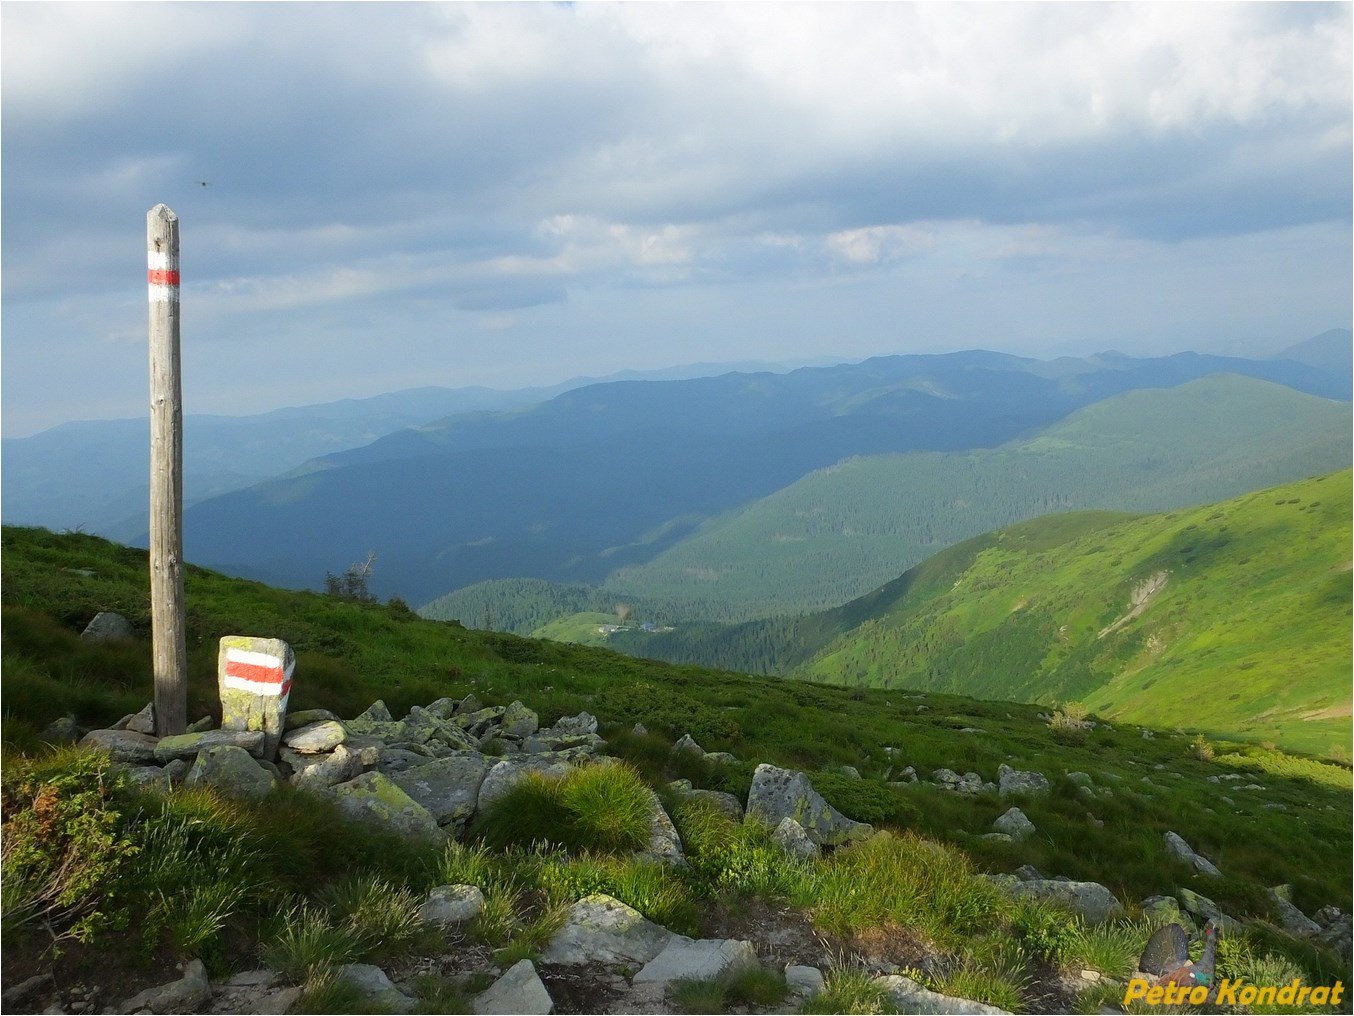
<point x="519" y="721"/>
<point x="725" y="803"/>
<point x="1293" y="919"/>
<point x="519" y="990"/>
<point x="700" y="960"/>
<point x="1014" y="824"/>
<point x="373" y="797"/>
<point x="1204" y="910"/>
<point x="791" y="838"/>
<point x="144" y="721"/>
<point x="61" y="731"/>
<point x="780" y="793"/>
<point x="910" y="997"/>
<point x="1028" y="873"/>
<point x="15" y="995"/>
<point x="1015" y="781"/>
<point x="851" y="771"/>
<point x="253" y="680"/>
<point x="601" y="929"/>
<point x="122" y="745"/>
<point x="1082" y="780"/>
<point x="107" y="626"/>
<point x="313" y="738"/>
<point x="1166" y="950"/>
<point x="184" y="995"/>
<point x="199" y="725"/>
<point x="320" y="772"/>
<point x="997" y="837"/>
<point x="1163" y="910"/>
<point x="1091" y="900"/>
<point x="504" y="775"/>
<point x="969" y="783"/>
<point x="722" y="757"/>
<point x="189" y="746"/>
<point x="451" y="904"/>
<point x="448" y="787"/>
<point x="150" y="777"/>
<point x="376" y="712"/>
<point x="373" y="983"/>
<point x="687" y="744"/>
<point x="1181" y="851"/>
<point x="306" y="717"/>
<point x="574" y="726"/>
<point x="802" y="980"/>
<point x="424" y="727"/>
<point x="665" y="845"/>
<point x="1335" y="930"/>
<point x="230" y="771"/>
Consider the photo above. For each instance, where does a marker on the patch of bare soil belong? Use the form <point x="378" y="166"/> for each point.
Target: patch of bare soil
<point x="779" y="932"/>
<point x="84" y="979"/>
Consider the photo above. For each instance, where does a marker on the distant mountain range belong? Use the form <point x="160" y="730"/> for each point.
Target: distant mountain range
<point x="93" y="475"/>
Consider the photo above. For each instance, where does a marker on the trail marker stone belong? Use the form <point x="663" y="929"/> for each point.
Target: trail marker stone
<point x="253" y="677"/>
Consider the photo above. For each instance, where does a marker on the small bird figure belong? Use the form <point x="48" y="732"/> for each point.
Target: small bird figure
<point x="1166" y="957"/>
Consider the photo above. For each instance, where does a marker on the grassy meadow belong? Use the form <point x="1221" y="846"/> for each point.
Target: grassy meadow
<point x="289" y="884"/>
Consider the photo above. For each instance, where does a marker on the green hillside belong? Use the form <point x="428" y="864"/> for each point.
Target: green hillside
<point x="1242" y="627"/>
<point x="841" y="531"/>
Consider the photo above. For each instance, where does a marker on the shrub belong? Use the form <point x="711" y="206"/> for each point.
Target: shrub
<point x="1201" y="749"/>
<point x="602" y="808"/>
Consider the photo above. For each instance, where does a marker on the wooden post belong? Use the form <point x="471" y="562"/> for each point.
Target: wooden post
<point x="166" y="474"/>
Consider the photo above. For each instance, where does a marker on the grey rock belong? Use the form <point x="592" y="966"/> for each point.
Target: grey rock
<point x="320" y="772"/>
<point x="687" y="743"/>
<point x="448" y="787"/>
<point x="306" y="717"/>
<point x="149" y="777"/>
<point x="1028" y="873"/>
<point x="699" y="960"/>
<point x="665" y="845"/>
<point x="725" y="803"/>
<point x="519" y="991"/>
<point x="187" y="746"/>
<point x="373" y="983"/>
<point x="851" y="771"/>
<point x="722" y="757"/>
<point x="1082" y="780"/>
<point x="997" y="837"/>
<point x="1090" y="900"/>
<point x="791" y="838"/>
<point x="519" y="721"/>
<point x="20" y="991"/>
<point x="313" y="738"/>
<point x="1203" y="910"/>
<point x="374" y="798"/>
<point x="451" y="904"/>
<point x="601" y="929"/>
<point x="184" y="995"/>
<point x="376" y="712"/>
<point x="572" y="726"/>
<point x="122" y="745"/>
<point x="506" y="774"/>
<point x="779" y="793"/>
<point x="910" y="997"/>
<point x="231" y="771"/>
<point x="1014" y="824"/>
<point x="1015" y="781"/>
<point x="803" y="980"/>
<point x="1163" y="910"/>
<point x="61" y="731"/>
<point x="1182" y="852"/>
<point x="144" y="721"/>
<point x="107" y="626"/>
<point x="199" y="725"/>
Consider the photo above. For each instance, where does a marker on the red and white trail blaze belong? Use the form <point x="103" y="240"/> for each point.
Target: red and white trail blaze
<point x="257" y="673"/>
<point x="162" y="274"/>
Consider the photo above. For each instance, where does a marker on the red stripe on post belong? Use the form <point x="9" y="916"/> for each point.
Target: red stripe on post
<point x="163" y="276"/>
<point x="253" y="672"/>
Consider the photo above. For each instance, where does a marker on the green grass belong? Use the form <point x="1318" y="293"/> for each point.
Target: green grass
<point x="295" y="882"/>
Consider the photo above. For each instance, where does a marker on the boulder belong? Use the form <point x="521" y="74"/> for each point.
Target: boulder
<point x="791" y="838"/>
<point x="573" y="726"/>
<point x="504" y="775"/>
<point x="1182" y="852"/>
<point x="687" y="743"/>
<point x="314" y="738"/>
<point x="373" y="797"/>
<point x="305" y="717"/>
<point x="320" y="772"/>
<point x="448" y="787"/>
<point x="910" y="997"/>
<point x="230" y="771"/>
<point x="780" y="793"/>
<point x="519" y="991"/>
<point x="187" y="994"/>
<point x="1014" y="824"/>
<point x="601" y="929"/>
<point x="519" y="721"/>
<point x="107" y="626"/>
<point x="725" y="803"/>
<point x="1015" y="781"/>
<point x="1090" y="900"/>
<point x="253" y="681"/>
<point x="451" y="904"/>
<point x="665" y="845"/>
<point x="803" y="980"/>
<point x="142" y="722"/>
<point x="63" y="730"/>
<point x="683" y="959"/>
<point x="376" y="986"/>
<point x="122" y="745"/>
<point x="189" y="746"/>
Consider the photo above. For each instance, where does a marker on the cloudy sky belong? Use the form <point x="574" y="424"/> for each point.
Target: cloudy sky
<point x="516" y="194"/>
